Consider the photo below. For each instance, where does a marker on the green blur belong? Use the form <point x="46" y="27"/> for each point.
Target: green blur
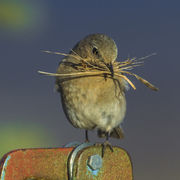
<point x="18" y="15"/>
<point x="16" y="136"/>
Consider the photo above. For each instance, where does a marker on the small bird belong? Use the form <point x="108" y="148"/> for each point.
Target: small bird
<point x="93" y="102"/>
<point x="92" y="85"/>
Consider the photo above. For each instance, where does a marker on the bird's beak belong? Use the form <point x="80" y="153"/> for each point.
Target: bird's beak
<point x="110" y="67"/>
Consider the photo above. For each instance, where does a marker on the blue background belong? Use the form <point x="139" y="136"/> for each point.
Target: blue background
<point x="30" y="111"/>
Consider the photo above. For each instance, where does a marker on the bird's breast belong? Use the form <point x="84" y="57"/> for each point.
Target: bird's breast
<point x="93" y="102"/>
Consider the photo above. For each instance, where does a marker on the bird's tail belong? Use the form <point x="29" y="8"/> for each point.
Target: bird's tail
<point x="115" y="133"/>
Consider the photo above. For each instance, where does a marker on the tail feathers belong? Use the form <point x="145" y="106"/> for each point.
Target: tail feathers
<point x="115" y="133"/>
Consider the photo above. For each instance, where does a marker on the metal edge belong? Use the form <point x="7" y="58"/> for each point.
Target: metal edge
<point x="4" y="168"/>
<point x="72" y="157"/>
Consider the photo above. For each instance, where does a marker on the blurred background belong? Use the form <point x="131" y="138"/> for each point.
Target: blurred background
<point x="30" y="110"/>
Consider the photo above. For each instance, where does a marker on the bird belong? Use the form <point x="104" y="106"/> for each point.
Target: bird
<point x="93" y="102"/>
<point x="92" y="86"/>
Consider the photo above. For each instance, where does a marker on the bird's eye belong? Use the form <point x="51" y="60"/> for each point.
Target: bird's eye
<point x="95" y="51"/>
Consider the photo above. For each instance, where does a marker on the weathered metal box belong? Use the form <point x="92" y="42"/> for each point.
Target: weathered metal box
<point x="83" y="162"/>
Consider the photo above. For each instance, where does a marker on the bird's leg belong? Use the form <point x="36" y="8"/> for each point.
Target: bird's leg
<point x="105" y="144"/>
<point x="86" y="136"/>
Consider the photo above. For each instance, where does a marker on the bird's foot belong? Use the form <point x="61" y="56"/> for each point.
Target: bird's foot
<point x="86" y="141"/>
<point x="105" y="145"/>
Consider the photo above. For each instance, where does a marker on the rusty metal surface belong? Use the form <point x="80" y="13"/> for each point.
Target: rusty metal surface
<point x="116" y="165"/>
<point x="51" y="164"/>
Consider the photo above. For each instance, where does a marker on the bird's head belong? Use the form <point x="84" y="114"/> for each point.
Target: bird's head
<point x="99" y="50"/>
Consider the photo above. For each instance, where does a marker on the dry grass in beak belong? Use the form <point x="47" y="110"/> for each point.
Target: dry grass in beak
<point x="120" y="68"/>
<point x="132" y="63"/>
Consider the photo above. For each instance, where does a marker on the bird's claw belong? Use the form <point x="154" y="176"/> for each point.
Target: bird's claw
<point x="104" y="145"/>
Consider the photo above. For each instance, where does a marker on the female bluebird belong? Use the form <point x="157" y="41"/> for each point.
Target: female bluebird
<point x="93" y="102"/>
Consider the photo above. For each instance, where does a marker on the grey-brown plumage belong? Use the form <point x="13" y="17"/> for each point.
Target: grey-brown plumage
<point x="93" y="102"/>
